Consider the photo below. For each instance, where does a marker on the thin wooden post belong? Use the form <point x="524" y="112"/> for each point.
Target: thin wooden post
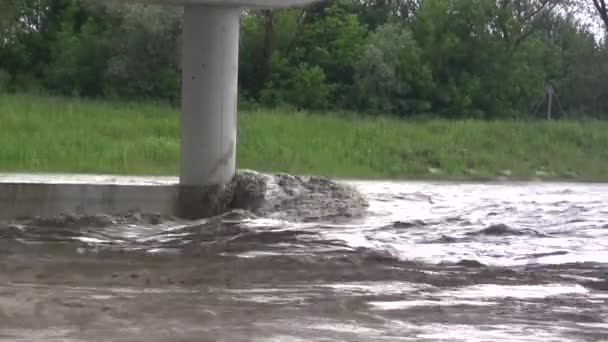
<point x="550" y="93"/>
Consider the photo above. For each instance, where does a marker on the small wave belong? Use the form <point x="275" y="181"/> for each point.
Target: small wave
<point x="542" y="255"/>
<point x="95" y="221"/>
<point x="597" y="285"/>
<point x="470" y="263"/>
<point x="233" y="233"/>
<point x="414" y="197"/>
<point x="504" y="230"/>
<point x="445" y="239"/>
<point x="407" y="224"/>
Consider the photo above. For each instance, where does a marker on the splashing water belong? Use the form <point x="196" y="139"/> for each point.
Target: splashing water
<point x="429" y="262"/>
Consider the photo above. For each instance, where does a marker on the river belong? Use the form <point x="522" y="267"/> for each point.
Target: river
<point x="429" y="262"/>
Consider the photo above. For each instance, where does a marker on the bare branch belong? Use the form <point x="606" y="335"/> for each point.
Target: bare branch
<point x="602" y="10"/>
<point x="520" y="18"/>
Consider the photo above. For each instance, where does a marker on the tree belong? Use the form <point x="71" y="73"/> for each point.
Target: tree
<point x="516" y="20"/>
<point x="79" y="52"/>
<point x="332" y="38"/>
<point x="144" y="52"/>
<point x="28" y="31"/>
<point x="450" y="58"/>
<point x="390" y="76"/>
<point x="264" y="34"/>
<point x="582" y="69"/>
<point x="602" y="11"/>
<point x="7" y="14"/>
<point x="314" y="50"/>
<point x="375" y="13"/>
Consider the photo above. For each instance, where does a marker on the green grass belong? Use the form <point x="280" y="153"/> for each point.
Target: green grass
<point x="54" y="134"/>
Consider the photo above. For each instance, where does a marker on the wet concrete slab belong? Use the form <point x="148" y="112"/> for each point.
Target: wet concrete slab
<point x="290" y="197"/>
<point x="98" y="179"/>
<point x="27" y="195"/>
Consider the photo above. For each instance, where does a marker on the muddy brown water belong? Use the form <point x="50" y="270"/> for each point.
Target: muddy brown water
<point x="429" y="262"/>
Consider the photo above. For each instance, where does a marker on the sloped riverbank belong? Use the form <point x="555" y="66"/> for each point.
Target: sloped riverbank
<point x="54" y="134"/>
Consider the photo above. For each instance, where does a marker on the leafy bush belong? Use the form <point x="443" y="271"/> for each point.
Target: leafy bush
<point x="305" y="88"/>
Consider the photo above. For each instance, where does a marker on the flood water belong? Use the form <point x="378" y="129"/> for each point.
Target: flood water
<point x="429" y="262"/>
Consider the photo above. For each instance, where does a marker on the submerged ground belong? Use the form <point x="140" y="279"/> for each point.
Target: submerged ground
<point x="428" y="262"/>
<point x="39" y="133"/>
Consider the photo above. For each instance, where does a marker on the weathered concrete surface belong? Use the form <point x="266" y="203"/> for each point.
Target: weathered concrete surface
<point x="51" y="195"/>
<point x="280" y="196"/>
<point x="210" y="62"/>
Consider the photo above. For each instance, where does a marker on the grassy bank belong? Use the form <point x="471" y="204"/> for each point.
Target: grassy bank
<point x="70" y="135"/>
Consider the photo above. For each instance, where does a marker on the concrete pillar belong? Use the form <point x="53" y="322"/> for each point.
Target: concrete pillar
<point x="209" y="94"/>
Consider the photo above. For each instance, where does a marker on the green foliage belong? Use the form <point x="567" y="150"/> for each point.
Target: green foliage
<point x="581" y="72"/>
<point x="144" y="53"/>
<point x="304" y="87"/>
<point x="78" y="56"/>
<point x="448" y="31"/>
<point x="334" y="41"/>
<point x="390" y="76"/>
<point x="259" y="49"/>
<point x="411" y="58"/>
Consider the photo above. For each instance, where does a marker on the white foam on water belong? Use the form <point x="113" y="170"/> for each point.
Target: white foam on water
<point x="603" y="325"/>
<point x="48" y="334"/>
<point x="266" y="299"/>
<point x="494" y="333"/>
<point x="347" y="328"/>
<point x="478" y="295"/>
<point x="378" y="288"/>
<point x="90" y="240"/>
<point x="280" y="338"/>
<point x="255" y="254"/>
<point x="408" y="304"/>
<point x="101" y="297"/>
<point x="515" y="291"/>
<point x="559" y="218"/>
<point x="581" y="256"/>
<point x="580" y="278"/>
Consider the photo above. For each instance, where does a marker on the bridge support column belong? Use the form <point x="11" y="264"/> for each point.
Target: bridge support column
<point x="209" y="95"/>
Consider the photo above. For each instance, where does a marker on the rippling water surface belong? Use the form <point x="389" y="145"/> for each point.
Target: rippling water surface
<point x="429" y="262"/>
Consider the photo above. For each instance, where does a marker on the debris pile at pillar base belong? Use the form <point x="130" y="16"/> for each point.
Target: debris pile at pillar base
<point x="280" y="196"/>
